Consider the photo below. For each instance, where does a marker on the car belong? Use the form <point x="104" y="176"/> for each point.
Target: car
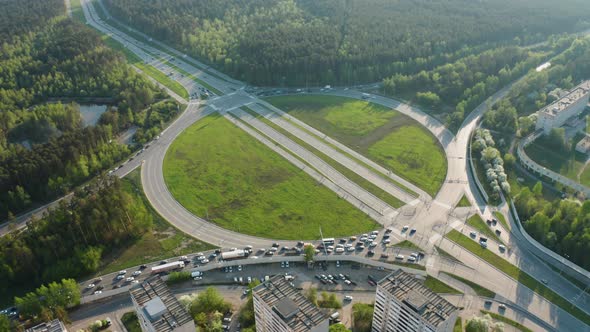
<point x="183" y="258"/>
<point x="276" y="245"/>
<point x="501" y="307"/>
<point x="205" y="261"/>
<point x="122" y="272"/>
<point x="348" y="298"/>
<point x="494" y="222"/>
<point x="498" y="232"/>
<point x="246" y="292"/>
<point x="195" y="278"/>
<point x="120" y="277"/>
<point x="372" y="283"/>
<point x="411" y="259"/>
<point x="100" y="288"/>
<point x="269" y="253"/>
<point x="350" y="249"/>
<point x="388" y="230"/>
<point x="136" y="273"/>
<point x="97" y="292"/>
<point x="384" y="255"/>
<point x="249" y="279"/>
<point x="337" y="263"/>
<point x="163" y="262"/>
<point x="348" y="282"/>
<point x="342" y="241"/>
<point x="116" y="286"/>
<point x="371" y="253"/>
<point x="353" y="238"/>
<point x="483" y="244"/>
<point x="399" y="257"/>
<point x="372" y="244"/>
<point x="129" y="279"/>
<point x="473" y="234"/>
<point x="544" y="281"/>
<point x="135" y="281"/>
<point x="412" y="231"/>
<point x="405" y="228"/>
<point x="323" y="281"/>
<point x="386" y="241"/>
<point x="374" y="232"/>
<point x="143" y="267"/>
<point x="90" y="286"/>
<point x="502" y="248"/>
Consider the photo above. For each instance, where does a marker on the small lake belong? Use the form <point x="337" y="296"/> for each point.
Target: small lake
<point x="91" y="113"/>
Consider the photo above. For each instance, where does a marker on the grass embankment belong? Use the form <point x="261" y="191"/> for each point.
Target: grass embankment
<point x="479" y="290"/>
<point x="463" y="202"/>
<point x="194" y="78"/>
<point x="147" y="69"/>
<point x="361" y="181"/>
<point x="517" y="274"/>
<point x="386" y="136"/>
<point x="163" y="241"/>
<point x="446" y="255"/>
<point x="479" y="225"/>
<point x="438" y="286"/>
<point x="215" y="169"/>
<point x="508" y="321"/>
<point x="502" y="220"/>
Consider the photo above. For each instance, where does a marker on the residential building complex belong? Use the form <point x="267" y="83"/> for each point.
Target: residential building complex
<point x="404" y="304"/>
<point x="556" y="114"/>
<point x="280" y="307"/>
<point x="52" y="326"/>
<point x="157" y="308"/>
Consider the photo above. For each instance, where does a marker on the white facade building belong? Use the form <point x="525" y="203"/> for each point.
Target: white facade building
<point x="404" y="304"/>
<point x="158" y="310"/>
<point x="53" y="326"/>
<point x="280" y="307"/>
<point x="556" y="114"/>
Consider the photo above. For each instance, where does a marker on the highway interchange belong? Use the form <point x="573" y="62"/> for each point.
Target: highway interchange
<point x="431" y="217"/>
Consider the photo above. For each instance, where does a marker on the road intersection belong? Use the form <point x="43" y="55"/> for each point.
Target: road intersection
<point x="432" y="217"/>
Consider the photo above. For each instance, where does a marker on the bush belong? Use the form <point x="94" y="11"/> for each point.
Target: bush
<point x="177" y="277"/>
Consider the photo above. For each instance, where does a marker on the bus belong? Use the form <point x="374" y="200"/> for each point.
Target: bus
<point x="328" y="241"/>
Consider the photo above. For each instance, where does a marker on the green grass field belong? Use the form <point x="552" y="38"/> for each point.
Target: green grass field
<point x="508" y="321"/>
<point x="407" y="244"/>
<point x="519" y="275"/>
<point x="458" y="325"/>
<point x="388" y="137"/>
<point x="479" y="290"/>
<point x="479" y="225"/>
<point x="502" y="220"/>
<point x="217" y="170"/>
<point x="130" y="321"/>
<point x="438" y="286"/>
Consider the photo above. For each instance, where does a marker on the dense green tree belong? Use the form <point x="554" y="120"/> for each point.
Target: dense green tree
<point x="49" y="302"/>
<point x="362" y="317"/>
<point x="338" y="328"/>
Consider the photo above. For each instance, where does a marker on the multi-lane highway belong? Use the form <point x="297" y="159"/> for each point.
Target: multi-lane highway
<point x="431" y="217"/>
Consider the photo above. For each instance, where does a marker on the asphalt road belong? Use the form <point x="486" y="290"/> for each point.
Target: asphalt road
<point x="432" y="218"/>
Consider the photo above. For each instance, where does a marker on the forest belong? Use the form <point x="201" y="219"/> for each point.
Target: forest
<point x="71" y="239"/>
<point x="45" y="149"/>
<point x="309" y="42"/>
<point x="561" y="225"/>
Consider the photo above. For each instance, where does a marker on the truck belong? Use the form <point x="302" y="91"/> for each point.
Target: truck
<point x="168" y="267"/>
<point x="236" y="254"/>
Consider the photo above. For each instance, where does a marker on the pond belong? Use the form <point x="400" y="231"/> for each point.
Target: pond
<point x="91" y="113"/>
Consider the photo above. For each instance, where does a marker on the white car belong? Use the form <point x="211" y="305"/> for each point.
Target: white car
<point x="136" y="273"/>
<point x="239" y="267"/>
<point x="122" y="272"/>
<point x="350" y="249"/>
<point x="97" y="292"/>
<point x="348" y="298"/>
<point x="90" y="286"/>
<point x="129" y="279"/>
<point x="387" y="241"/>
<point x="400" y="257"/>
<point x="405" y="228"/>
<point x="135" y="281"/>
<point x="120" y="277"/>
<point x="183" y="258"/>
<point x="373" y="244"/>
<point x="205" y="261"/>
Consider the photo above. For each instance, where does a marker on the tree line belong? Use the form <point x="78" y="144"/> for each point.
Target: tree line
<point x="306" y="42"/>
<point x="71" y="239"/>
<point x="45" y="149"/>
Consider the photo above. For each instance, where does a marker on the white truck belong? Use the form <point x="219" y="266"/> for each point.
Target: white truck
<point x="167" y="267"/>
<point x="236" y="254"/>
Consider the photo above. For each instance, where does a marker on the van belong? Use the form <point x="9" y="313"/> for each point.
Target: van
<point x="196" y="274"/>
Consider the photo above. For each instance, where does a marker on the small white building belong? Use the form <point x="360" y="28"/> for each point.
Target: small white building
<point x="557" y="113"/>
<point x="404" y="304"/>
<point x="157" y="308"/>
<point x="53" y="326"/>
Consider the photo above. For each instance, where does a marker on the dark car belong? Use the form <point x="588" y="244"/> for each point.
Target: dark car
<point x="163" y="262"/>
<point x="498" y="232"/>
<point x="276" y="245"/>
<point x="371" y="252"/>
<point x="143" y="267"/>
<point x="100" y="288"/>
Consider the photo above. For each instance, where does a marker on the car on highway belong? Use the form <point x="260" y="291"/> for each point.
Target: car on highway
<point x="136" y="273"/>
<point x="122" y="272"/>
<point x="90" y="286"/>
<point x="348" y="298"/>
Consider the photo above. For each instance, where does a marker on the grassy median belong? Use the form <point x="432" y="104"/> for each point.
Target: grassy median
<point x="216" y="170"/>
<point x="386" y="136"/>
<point x="517" y="274"/>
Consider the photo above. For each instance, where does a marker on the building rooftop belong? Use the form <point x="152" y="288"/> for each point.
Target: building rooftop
<point x="295" y="310"/>
<point x="411" y="291"/>
<point x="53" y="326"/>
<point x="570" y="98"/>
<point x="159" y="305"/>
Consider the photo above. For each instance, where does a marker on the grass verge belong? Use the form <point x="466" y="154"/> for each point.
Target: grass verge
<point x="77" y="13"/>
<point x="218" y="171"/>
<point x="438" y="286"/>
<point x="458" y="325"/>
<point x="446" y="255"/>
<point x="517" y="274"/>
<point x="502" y="220"/>
<point x="479" y="225"/>
<point x="506" y="320"/>
<point x="479" y="290"/>
<point x="407" y="244"/>
<point x="361" y="181"/>
<point x="463" y="202"/>
<point x="194" y="78"/>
